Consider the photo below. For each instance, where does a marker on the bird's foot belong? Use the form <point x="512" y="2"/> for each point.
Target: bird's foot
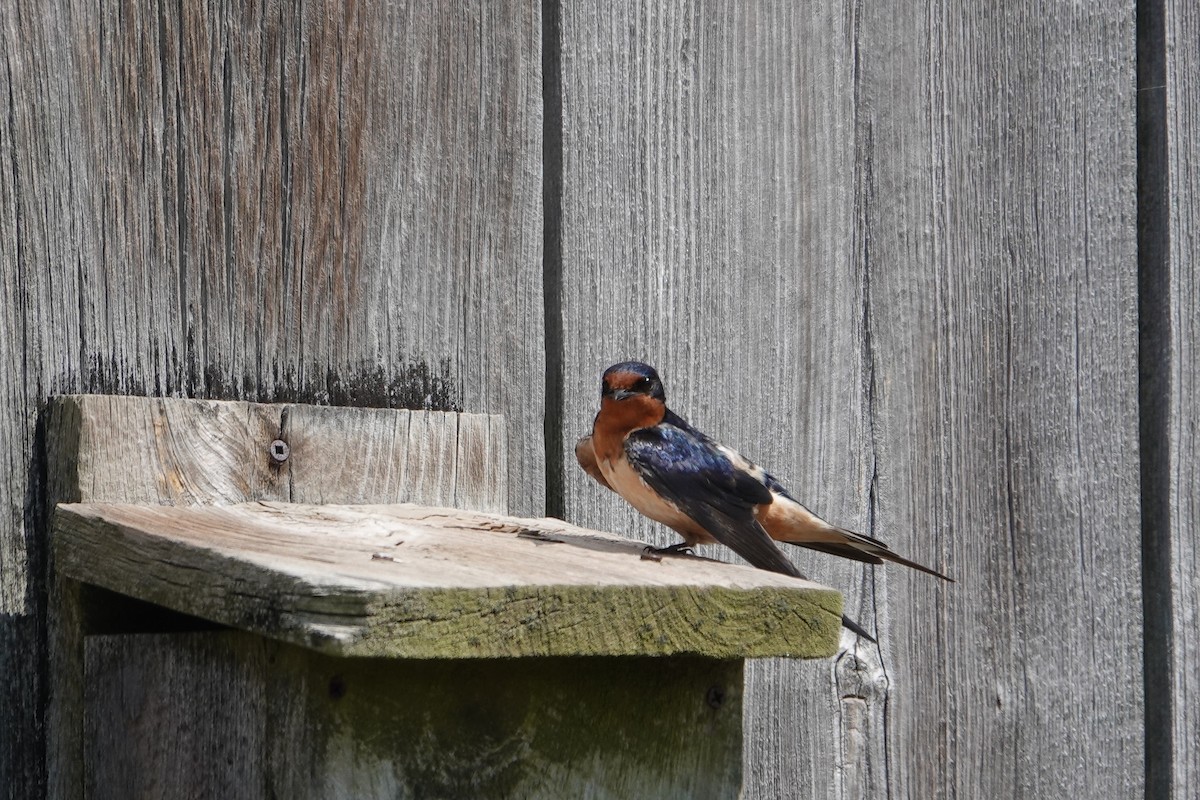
<point x="679" y="548"/>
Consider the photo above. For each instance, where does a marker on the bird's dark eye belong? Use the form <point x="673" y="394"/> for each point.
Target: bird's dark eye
<point x="642" y="385"/>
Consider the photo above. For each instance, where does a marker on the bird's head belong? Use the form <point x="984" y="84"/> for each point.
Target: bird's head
<point x="633" y="392"/>
<point x="630" y="380"/>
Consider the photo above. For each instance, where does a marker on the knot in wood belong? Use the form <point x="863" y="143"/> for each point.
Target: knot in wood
<point x="860" y="673"/>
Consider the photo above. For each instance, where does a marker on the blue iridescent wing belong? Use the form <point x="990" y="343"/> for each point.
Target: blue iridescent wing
<point x="688" y="470"/>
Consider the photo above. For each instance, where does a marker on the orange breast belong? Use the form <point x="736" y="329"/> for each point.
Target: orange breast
<point x="617" y="418"/>
<point x="626" y="482"/>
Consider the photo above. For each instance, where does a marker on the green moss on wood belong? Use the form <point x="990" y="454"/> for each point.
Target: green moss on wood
<point x="580" y="621"/>
<point x="548" y="727"/>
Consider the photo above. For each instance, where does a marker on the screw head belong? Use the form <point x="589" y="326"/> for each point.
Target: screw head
<point x="279" y="451"/>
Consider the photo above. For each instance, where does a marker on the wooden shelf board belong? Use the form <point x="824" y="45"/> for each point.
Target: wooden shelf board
<point x="409" y="581"/>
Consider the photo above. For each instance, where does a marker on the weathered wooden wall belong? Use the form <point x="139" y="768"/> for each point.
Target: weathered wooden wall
<point x="889" y="252"/>
<point x="323" y="202"/>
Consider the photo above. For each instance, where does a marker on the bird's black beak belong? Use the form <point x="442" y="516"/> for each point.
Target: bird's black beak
<point x="622" y="394"/>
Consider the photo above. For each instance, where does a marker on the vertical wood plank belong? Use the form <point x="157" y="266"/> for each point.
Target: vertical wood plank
<point x="195" y="712"/>
<point x="708" y="228"/>
<point x="1002" y="319"/>
<point x="900" y="275"/>
<point x="1183" y="136"/>
<point x="31" y="220"/>
<point x="313" y="202"/>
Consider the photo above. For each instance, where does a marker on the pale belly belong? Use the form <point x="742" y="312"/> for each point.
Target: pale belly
<point x="627" y="483"/>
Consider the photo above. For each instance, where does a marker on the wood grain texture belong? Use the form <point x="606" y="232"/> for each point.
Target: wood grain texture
<point x="163" y="451"/>
<point x="322" y="203"/>
<point x="890" y="256"/>
<point x="152" y="451"/>
<point x="292" y="723"/>
<point x="1002" y="313"/>
<point x="1183" y="136"/>
<point x="408" y="581"/>
<point x="379" y="455"/>
<point x="198" y="707"/>
<point x="176" y="452"/>
<point x="708" y="228"/>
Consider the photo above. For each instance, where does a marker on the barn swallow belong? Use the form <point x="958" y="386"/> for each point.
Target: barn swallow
<point x="708" y="493"/>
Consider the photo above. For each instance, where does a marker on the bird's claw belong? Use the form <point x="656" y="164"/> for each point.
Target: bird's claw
<point x="679" y="548"/>
<point x="649" y="554"/>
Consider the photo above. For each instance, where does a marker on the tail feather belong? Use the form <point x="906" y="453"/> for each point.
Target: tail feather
<point x="843" y="550"/>
<point x="867" y="549"/>
<point x="890" y="556"/>
<point x="854" y="627"/>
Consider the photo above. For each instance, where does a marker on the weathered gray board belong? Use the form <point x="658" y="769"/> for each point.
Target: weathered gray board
<point x="1005" y="345"/>
<point x="314" y="202"/>
<point x="171" y="451"/>
<point x="1183" y="479"/>
<point x="234" y="715"/>
<point x="422" y="582"/>
<point x="888" y="252"/>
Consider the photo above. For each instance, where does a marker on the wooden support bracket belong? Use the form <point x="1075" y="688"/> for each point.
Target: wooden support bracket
<point x="269" y="546"/>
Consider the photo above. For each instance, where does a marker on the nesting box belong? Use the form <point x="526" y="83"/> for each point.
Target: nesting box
<point x="297" y="601"/>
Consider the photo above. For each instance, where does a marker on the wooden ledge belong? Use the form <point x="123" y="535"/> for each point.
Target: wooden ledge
<point x="408" y="581"/>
